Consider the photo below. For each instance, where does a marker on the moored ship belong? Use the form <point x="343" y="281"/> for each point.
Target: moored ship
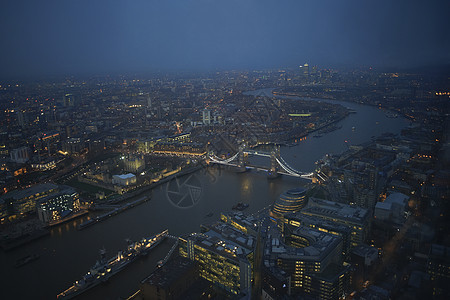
<point x="106" y="268"/>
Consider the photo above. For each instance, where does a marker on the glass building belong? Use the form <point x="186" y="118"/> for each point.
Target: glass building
<point x="290" y="201"/>
<point x="56" y="206"/>
<point x="224" y="261"/>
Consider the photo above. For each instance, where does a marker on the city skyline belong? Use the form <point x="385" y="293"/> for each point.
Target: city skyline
<point x="80" y="37"/>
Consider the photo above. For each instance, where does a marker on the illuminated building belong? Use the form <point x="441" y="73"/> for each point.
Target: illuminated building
<point x="68" y="100"/>
<point x="182" y="137"/>
<point x="438" y="268"/>
<point x="240" y="221"/>
<point x="73" y="146"/>
<point x="225" y="262"/>
<point x="147" y="146"/>
<point x="45" y="165"/>
<point x="312" y="260"/>
<point x="24" y="201"/>
<point x="134" y="164"/>
<point x="3" y="210"/>
<point x="56" y="206"/>
<point x="294" y="220"/>
<point x="305" y="70"/>
<point x="179" y="144"/>
<point x="124" y="180"/>
<point x="355" y="217"/>
<point x="175" y="148"/>
<point x="206" y="117"/>
<point x="290" y="201"/>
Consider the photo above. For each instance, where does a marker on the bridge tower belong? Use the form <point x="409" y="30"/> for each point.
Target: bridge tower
<point x="242" y="158"/>
<point x="274" y="166"/>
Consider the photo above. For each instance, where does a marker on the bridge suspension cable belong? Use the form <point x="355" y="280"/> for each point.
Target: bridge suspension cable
<point x="291" y="170"/>
<point x="222" y="161"/>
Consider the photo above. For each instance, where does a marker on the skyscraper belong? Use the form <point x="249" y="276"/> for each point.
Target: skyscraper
<point x="206" y="117"/>
<point x="149" y="102"/>
<point x="305" y="70"/>
<point x="68" y="100"/>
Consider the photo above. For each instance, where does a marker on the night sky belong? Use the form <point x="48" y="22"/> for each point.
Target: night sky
<point x="99" y="36"/>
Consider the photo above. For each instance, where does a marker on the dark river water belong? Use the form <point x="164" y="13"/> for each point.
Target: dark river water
<point x="67" y="253"/>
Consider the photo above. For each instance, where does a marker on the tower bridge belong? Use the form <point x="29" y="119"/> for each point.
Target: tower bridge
<point x="277" y="167"/>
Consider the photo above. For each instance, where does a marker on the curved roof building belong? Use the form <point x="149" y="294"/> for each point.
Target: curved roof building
<point x="290" y="201"/>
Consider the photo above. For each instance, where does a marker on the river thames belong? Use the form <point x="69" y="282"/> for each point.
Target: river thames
<point x="67" y="253"/>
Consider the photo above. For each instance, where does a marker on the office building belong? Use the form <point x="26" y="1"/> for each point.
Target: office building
<point x="57" y="206"/>
<point x="206" y="117"/>
<point x="240" y="221"/>
<point x="73" y="146"/>
<point x="149" y="102"/>
<point x="290" y="201"/>
<point x="294" y="220"/>
<point x="304" y="70"/>
<point x="24" y="201"/>
<point x="438" y="268"/>
<point x="355" y="217"/>
<point x="68" y="100"/>
<point x="312" y="260"/>
<point x="221" y="258"/>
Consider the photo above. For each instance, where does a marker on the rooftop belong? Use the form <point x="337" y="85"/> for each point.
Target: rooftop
<point x="225" y="242"/>
<point x="320" y="244"/>
<point x="365" y="250"/>
<point x="383" y="205"/>
<point x="126" y="176"/>
<point x="295" y="192"/>
<point x="398" y="198"/>
<point x="36" y="189"/>
<point x="336" y="210"/>
<point x="314" y="220"/>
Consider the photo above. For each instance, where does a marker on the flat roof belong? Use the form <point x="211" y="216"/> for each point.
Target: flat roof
<point x="315" y="220"/>
<point x="336" y="210"/>
<point x="35" y="189"/>
<point x="320" y="245"/>
<point x="397" y="198"/>
<point x="223" y="242"/>
<point x="383" y="205"/>
<point x="126" y="176"/>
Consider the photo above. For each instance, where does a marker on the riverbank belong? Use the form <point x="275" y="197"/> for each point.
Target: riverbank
<point x="118" y="210"/>
<point x="390" y="112"/>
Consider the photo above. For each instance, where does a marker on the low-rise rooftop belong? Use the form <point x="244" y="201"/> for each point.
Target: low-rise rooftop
<point x="345" y="212"/>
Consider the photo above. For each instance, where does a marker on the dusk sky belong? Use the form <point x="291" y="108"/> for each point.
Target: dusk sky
<point x="77" y="37"/>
